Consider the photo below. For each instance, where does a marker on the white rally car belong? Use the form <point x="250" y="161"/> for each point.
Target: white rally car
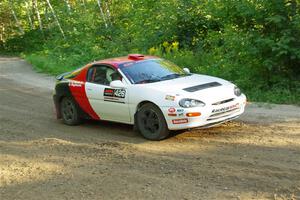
<point x="151" y="93"/>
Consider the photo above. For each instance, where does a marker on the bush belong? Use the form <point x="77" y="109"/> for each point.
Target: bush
<point x="255" y="44"/>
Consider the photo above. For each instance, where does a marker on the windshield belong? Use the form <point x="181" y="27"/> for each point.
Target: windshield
<point x="149" y="71"/>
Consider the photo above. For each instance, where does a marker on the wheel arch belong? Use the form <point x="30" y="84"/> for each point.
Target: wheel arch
<point x="58" y="105"/>
<point x="82" y="114"/>
<point x="139" y="105"/>
<point x="164" y="130"/>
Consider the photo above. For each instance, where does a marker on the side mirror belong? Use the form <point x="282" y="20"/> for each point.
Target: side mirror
<point x="117" y="84"/>
<point x="186" y="70"/>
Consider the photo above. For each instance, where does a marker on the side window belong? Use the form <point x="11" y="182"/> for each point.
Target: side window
<point x="103" y="75"/>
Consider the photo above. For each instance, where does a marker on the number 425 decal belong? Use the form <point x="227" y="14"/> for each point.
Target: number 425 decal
<point x="119" y="93"/>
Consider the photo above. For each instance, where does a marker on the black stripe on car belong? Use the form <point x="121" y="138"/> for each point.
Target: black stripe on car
<point x="202" y="86"/>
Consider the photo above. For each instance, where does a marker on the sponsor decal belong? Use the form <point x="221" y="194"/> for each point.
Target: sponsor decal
<point x="113" y="100"/>
<point x="118" y="93"/>
<point x="225" y="109"/>
<point x="180" y="121"/>
<point x="108" y="92"/>
<point x="76" y="83"/>
<point x="170" y="98"/>
<point x="114" y="95"/>
<point x="175" y="112"/>
<point x="180" y="110"/>
<point x="171" y="110"/>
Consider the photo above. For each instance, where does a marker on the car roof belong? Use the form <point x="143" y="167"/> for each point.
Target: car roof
<point x="120" y="60"/>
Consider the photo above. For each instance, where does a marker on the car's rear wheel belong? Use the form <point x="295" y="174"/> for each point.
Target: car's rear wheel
<point x="151" y="122"/>
<point x="69" y="111"/>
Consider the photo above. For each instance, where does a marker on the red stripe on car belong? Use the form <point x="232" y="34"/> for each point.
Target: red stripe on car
<point x="80" y="95"/>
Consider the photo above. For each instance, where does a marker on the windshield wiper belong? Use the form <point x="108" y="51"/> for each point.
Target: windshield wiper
<point x="170" y="76"/>
<point x="148" y="81"/>
<point x="167" y="77"/>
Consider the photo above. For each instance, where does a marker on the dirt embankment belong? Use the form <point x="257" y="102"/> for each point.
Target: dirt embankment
<point x="256" y="157"/>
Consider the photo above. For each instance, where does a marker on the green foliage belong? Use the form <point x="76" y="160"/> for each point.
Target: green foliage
<point x="253" y="43"/>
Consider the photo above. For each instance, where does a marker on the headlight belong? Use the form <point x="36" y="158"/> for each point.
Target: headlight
<point x="189" y="103"/>
<point x="237" y="91"/>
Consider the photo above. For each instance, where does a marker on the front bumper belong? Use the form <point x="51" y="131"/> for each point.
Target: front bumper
<point x="210" y="114"/>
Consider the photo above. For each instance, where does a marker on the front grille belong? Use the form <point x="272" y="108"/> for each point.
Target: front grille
<point x="201" y="87"/>
<point x="222" y="102"/>
<point x="226" y="113"/>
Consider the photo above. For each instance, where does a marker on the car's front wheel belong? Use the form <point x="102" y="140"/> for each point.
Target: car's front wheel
<point x="69" y="111"/>
<point x="151" y="122"/>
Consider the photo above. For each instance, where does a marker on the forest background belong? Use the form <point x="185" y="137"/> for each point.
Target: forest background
<point x="253" y="43"/>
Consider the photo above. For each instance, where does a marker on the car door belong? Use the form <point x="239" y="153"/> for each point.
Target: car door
<point x="109" y="103"/>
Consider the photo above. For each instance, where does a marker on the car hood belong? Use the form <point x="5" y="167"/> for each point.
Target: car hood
<point x="205" y="88"/>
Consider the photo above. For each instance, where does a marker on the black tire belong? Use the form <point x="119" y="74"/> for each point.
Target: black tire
<point x="69" y="111"/>
<point x="151" y="122"/>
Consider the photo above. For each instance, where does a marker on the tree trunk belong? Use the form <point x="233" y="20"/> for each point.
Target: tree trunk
<point x="108" y="13"/>
<point x="35" y="7"/>
<point x="28" y="15"/>
<point x="102" y="13"/>
<point x="294" y="7"/>
<point x="2" y="33"/>
<point x="16" y="18"/>
<point x="68" y="6"/>
<point x="55" y="17"/>
<point x="83" y="3"/>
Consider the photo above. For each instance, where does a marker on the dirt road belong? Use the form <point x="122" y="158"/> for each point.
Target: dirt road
<point x="256" y="157"/>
